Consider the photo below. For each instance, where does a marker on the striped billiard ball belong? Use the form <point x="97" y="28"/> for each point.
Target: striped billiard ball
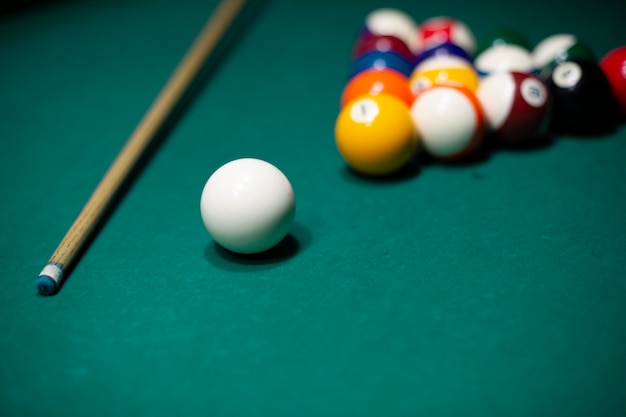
<point x="392" y="22"/>
<point x="558" y="48"/>
<point x="516" y="107"/>
<point x="449" y="122"/>
<point x="443" y="29"/>
<point x="504" y="58"/>
<point x="502" y="37"/>
<point x="443" y="70"/>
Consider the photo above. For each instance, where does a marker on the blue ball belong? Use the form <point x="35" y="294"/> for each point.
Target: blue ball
<point x="381" y="60"/>
<point x="444" y="49"/>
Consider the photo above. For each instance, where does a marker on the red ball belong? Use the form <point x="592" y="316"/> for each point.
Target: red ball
<point x="516" y="106"/>
<point x="445" y="29"/>
<point x="613" y="65"/>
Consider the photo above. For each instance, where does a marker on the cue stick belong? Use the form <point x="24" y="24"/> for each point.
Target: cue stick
<point x="170" y="95"/>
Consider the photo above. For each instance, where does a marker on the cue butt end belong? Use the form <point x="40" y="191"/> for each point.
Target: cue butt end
<point x="49" y="279"/>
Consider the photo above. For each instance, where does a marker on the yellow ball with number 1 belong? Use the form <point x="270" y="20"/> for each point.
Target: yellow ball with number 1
<point x="375" y="135"/>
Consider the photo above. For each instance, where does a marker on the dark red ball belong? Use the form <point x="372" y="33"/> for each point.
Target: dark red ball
<point x="516" y="106"/>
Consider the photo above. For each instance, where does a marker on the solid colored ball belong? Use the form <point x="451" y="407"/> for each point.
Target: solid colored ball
<point x="449" y="121"/>
<point x="375" y="134"/>
<point x="381" y="60"/>
<point x="504" y="58"/>
<point x="443" y="29"/>
<point x="382" y="43"/>
<point x="248" y="206"/>
<point x="613" y="64"/>
<point x="502" y="37"/>
<point x="444" y="49"/>
<point x="393" y="22"/>
<point x="443" y="70"/>
<point x="375" y="82"/>
<point x="558" y="48"/>
<point x="516" y="106"/>
<point x="583" y="100"/>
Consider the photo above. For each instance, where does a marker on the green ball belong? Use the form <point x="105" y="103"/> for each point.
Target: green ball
<point x="556" y="49"/>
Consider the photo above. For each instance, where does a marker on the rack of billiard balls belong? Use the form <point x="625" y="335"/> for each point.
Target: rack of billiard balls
<point x="431" y="88"/>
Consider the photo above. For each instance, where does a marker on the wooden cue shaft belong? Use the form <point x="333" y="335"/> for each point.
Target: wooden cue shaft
<point x="184" y="74"/>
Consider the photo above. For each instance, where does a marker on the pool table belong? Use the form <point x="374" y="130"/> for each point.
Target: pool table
<point x="491" y="287"/>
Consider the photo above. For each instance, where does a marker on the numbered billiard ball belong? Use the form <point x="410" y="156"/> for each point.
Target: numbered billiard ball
<point x="516" y="107"/>
<point x="502" y="37"/>
<point x="381" y="60"/>
<point x="442" y="29"/>
<point x="444" y="49"/>
<point x="375" y="134"/>
<point x="613" y="65"/>
<point x="393" y="22"/>
<point x="582" y="97"/>
<point x="376" y="82"/>
<point x="382" y="43"/>
<point x="443" y="70"/>
<point x="449" y="122"/>
<point x="248" y="206"/>
<point x="558" y="48"/>
<point x="504" y="58"/>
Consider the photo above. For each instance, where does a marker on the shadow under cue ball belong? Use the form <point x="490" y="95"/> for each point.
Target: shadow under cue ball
<point x="248" y="206"/>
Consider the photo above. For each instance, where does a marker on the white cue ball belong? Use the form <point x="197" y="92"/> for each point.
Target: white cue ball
<point x="248" y="205"/>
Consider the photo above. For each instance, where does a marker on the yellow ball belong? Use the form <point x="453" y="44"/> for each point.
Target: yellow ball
<point x="375" y="135"/>
<point x="443" y="71"/>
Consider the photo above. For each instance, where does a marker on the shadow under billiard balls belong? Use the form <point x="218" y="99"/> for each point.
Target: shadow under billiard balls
<point x="583" y="103"/>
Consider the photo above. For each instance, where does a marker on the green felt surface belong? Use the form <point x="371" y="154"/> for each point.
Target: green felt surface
<point x="496" y="288"/>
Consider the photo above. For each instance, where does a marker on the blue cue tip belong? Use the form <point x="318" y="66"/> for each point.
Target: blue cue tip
<point x="48" y="281"/>
<point x="45" y="285"/>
